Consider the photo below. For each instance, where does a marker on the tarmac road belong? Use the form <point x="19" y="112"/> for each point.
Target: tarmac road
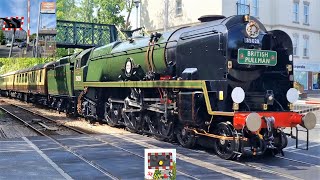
<point x="4" y="51"/>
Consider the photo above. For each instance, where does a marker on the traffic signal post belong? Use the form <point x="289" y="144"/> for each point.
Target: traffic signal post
<point x="13" y="24"/>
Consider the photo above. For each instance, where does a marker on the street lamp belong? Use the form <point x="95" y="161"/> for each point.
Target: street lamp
<point x="137" y="2"/>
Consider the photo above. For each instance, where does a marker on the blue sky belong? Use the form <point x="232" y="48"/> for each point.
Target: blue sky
<point x="19" y="8"/>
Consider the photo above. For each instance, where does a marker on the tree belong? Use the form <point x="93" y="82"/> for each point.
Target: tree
<point x="129" y="6"/>
<point x="87" y="7"/>
<point x="2" y="38"/>
<point x="67" y="10"/>
<point x="108" y="11"/>
<point x="97" y="11"/>
<point x="33" y="36"/>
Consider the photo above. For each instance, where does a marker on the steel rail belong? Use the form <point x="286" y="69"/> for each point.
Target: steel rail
<point x="99" y="139"/>
<point x="260" y="168"/>
<point x="91" y="163"/>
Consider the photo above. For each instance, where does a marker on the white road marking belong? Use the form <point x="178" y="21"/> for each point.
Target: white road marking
<point x="309" y="155"/>
<point x="302" y="162"/>
<point x="12" y="151"/>
<point x="294" y="150"/>
<point x="45" y="157"/>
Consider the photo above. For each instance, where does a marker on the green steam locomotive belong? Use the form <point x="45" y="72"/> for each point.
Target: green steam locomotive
<point x="226" y="83"/>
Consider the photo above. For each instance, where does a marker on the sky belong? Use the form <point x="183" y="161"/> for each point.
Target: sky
<point x="10" y="8"/>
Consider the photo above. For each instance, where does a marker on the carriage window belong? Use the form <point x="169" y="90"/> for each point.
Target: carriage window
<point x="40" y="75"/>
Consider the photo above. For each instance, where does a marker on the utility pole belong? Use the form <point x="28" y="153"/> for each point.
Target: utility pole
<point x="166" y="14"/>
<point x="28" y="29"/>
<point x="38" y="26"/>
<point x="12" y="40"/>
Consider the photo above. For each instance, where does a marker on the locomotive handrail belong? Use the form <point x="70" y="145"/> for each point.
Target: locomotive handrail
<point x="139" y="48"/>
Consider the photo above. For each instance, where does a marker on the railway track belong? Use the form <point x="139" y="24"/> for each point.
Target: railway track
<point x="44" y="127"/>
<point x="216" y="168"/>
<point x="40" y="124"/>
<point x="92" y="163"/>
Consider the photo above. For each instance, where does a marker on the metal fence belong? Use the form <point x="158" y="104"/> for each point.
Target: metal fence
<point x="304" y="108"/>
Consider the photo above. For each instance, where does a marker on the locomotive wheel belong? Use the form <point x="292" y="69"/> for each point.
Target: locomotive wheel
<point x="165" y="129"/>
<point x="112" y="117"/>
<point x="283" y="141"/>
<point x="186" y="138"/>
<point x="225" y="148"/>
<point x="152" y="125"/>
<point x="132" y="121"/>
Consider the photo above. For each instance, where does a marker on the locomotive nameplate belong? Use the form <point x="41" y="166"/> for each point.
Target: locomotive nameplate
<point x="257" y="57"/>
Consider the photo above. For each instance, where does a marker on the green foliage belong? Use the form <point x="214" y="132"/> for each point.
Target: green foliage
<point x="61" y="52"/>
<point x="33" y="36"/>
<point x="67" y="10"/>
<point x="95" y="11"/>
<point x="157" y="174"/>
<point x="13" y="64"/>
<point x="2" y="37"/>
<point x="174" y="172"/>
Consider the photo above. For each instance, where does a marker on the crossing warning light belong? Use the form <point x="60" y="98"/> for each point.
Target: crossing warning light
<point x="9" y="23"/>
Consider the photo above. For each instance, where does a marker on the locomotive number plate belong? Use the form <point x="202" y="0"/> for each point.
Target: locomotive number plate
<point x="257" y="57"/>
<point x="251" y="40"/>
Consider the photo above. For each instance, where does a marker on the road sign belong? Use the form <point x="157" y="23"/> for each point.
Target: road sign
<point x="160" y="164"/>
<point x="257" y="57"/>
<point x="9" y="27"/>
<point x="48" y="8"/>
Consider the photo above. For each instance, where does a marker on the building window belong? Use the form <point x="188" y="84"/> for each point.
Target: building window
<point x="178" y="7"/>
<point x="242" y="7"/>
<point x="255" y="8"/>
<point x="306" y="47"/>
<point x="316" y="81"/>
<point x="306" y="13"/>
<point x="295" y="43"/>
<point x="295" y="11"/>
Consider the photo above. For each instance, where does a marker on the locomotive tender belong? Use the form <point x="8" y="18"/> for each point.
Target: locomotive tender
<point x="227" y="82"/>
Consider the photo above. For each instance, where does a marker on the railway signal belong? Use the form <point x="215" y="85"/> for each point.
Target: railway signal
<point x="12" y="23"/>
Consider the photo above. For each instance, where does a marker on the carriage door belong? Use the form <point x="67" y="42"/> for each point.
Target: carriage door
<point x="78" y="75"/>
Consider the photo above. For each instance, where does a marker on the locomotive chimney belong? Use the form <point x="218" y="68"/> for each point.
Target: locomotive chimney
<point x="207" y="18"/>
